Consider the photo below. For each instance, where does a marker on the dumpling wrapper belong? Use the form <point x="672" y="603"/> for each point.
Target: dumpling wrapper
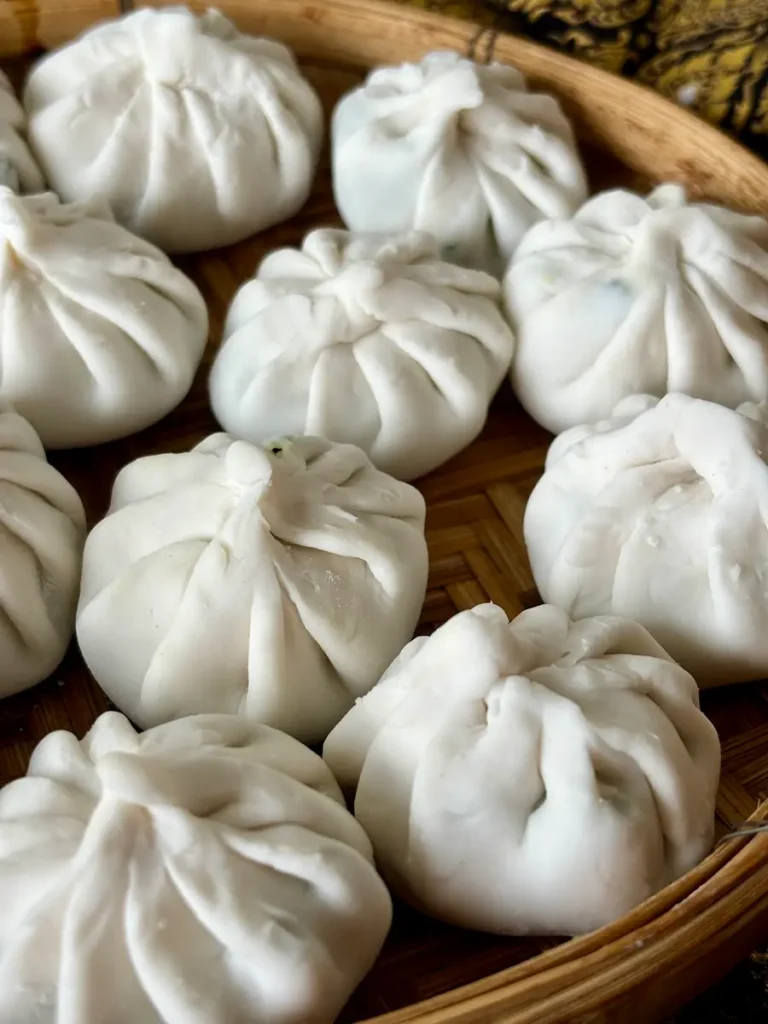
<point x="458" y="149"/>
<point x="659" y="514"/>
<point x="539" y="776"/>
<point x="205" y="871"/>
<point x="637" y="295"/>
<point x="196" y="134"/>
<point x="42" y="532"/>
<point x="18" y="169"/>
<point x="369" y="340"/>
<point x="276" y="583"/>
<point x="100" y="334"/>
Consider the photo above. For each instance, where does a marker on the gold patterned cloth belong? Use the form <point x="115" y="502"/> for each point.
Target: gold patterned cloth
<point x="709" y="55"/>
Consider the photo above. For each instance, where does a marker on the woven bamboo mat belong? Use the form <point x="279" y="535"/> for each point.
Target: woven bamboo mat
<point x="474" y="529"/>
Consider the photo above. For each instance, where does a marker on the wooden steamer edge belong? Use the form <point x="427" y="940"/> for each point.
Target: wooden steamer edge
<point x="680" y="941"/>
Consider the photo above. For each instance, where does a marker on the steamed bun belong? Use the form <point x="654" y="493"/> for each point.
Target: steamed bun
<point x="205" y="871"/>
<point x="539" y="776"/>
<point x="365" y="339"/>
<point x="101" y="335"/>
<point x="42" y="531"/>
<point x="196" y="134"/>
<point x="18" y="169"/>
<point x="276" y="583"/>
<point x="659" y="514"/>
<point x="458" y="149"/>
<point x="639" y="295"/>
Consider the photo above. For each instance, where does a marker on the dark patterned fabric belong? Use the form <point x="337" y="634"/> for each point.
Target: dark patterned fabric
<point x="710" y="55"/>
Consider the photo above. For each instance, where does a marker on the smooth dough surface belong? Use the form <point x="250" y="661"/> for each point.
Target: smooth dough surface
<point x="205" y="871"/>
<point x="42" y="532"/>
<point x="639" y="295"/>
<point x="659" y="514"/>
<point x="18" y="169"/>
<point x="276" y="582"/>
<point x="196" y="134"/>
<point x="370" y="340"/>
<point x="100" y="335"/>
<point x="539" y="776"/>
<point x="458" y="149"/>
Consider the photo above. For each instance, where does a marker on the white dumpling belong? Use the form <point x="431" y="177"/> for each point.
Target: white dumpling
<point x="659" y="514"/>
<point x="639" y="295"/>
<point x="100" y="334"/>
<point x="205" y="871"/>
<point x="459" y="149"/>
<point x="539" y="776"/>
<point x="42" y="531"/>
<point x="18" y="169"/>
<point x="364" y="339"/>
<point x="196" y="134"/>
<point x="277" y="583"/>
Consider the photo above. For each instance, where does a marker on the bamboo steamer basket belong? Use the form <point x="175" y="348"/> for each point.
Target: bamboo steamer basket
<point x="677" y="943"/>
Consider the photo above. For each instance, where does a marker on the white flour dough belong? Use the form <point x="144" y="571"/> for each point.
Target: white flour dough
<point x="639" y="295"/>
<point x="366" y="339"/>
<point x="101" y="335"/>
<point x="659" y="514"/>
<point x="459" y="149"/>
<point x="274" y="582"/>
<point x="42" y="531"/>
<point x="18" y="169"/>
<point x="196" y="134"/>
<point x="539" y="776"/>
<point x="205" y="871"/>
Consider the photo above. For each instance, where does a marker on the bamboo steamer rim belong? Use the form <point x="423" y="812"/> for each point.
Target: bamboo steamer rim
<point x="679" y="934"/>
